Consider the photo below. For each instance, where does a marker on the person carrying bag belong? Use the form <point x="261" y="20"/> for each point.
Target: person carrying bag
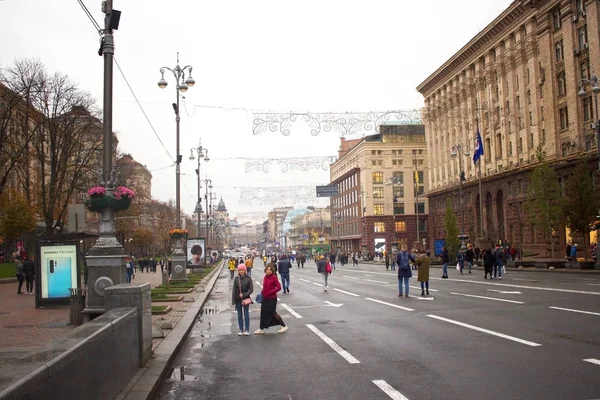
<point x="242" y="290"/>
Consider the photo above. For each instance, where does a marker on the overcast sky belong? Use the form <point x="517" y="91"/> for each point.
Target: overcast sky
<point x="282" y="56"/>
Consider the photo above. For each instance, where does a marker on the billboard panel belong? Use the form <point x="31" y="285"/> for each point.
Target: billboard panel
<point x="196" y="252"/>
<point x="57" y="271"/>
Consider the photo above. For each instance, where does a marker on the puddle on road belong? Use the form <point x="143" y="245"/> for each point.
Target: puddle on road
<point x="178" y="374"/>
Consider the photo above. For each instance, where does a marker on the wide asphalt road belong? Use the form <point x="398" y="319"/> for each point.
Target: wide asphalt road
<point x="533" y="335"/>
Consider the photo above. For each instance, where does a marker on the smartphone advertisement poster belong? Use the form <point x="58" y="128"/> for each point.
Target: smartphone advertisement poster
<point x="58" y="270"/>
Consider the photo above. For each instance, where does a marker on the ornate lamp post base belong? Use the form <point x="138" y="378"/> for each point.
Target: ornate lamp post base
<point x="179" y="271"/>
<point x="105" y="262"/>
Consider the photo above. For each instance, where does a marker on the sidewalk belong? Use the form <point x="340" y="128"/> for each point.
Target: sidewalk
<point x="23" y="325"/>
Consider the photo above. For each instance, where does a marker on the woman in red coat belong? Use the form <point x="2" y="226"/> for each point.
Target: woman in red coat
<point x="268" y="313"/>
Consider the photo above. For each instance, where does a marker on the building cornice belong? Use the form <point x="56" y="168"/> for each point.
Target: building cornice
<point x="490" y="34"/>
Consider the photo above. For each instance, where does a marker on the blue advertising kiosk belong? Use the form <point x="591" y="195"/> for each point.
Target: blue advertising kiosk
<point x="57" y="269"/>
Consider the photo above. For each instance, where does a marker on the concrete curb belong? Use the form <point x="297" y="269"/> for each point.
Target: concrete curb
<point x="478" y="268"/>
<point x="145" y="384"/>
<point x="8" y="280"/>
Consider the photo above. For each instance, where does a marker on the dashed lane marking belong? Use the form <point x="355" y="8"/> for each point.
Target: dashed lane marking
<point x="489" y="332"/>
<point x="351" y="277"/>
<point x="522" y="287"/>
<point x="371" y="280"/>
<point x="317" y="284"/>
<point x="305" y="280"/>
<point x="389" y="390"/>
<point x="348" y="293"/>
<point x="347" y="356"/>
<point x="418" y="288"/>
<point x="389" y="304"/>
<point x="575" y="311"/>
<point x="291" y="311"/>
<point x="487" y="298"/>
<point x="592" y="360"/>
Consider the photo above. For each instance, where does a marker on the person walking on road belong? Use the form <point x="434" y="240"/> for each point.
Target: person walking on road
<point x="29" y="270"/>
<point x="268" y="306"/>
<point x="128" y="270"/>
<point x="322" y="269"/>
<point x="242" y="290"/>
<point x="354" y="259"/>
<point x="498" y="262"/>
<point x="488" y="262"/>
<point x="249" y="264"/>
<point x="445" y="261"/>
<point x="284" y="266"/>
<point x="469" y="257"/>
<point x="387" y="261"/>
<point x="231" y="265"/>
<point x="423" y="263"/>
<point x="20" y="275"/>
<point x="403" y="260"/>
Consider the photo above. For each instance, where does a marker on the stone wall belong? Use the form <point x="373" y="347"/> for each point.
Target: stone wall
<point x="93" y="361"/>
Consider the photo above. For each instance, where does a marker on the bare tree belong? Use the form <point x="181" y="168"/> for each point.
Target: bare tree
<point x="19" y="120"/>
<point x="67" y="150"/>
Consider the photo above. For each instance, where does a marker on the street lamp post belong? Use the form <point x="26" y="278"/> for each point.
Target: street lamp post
<point x="183" y="84"/>
<point x="202" y="153"/>
<point x="594" y="82"/>
<point x="457" y="150"/>
<point x="207" y="185"/>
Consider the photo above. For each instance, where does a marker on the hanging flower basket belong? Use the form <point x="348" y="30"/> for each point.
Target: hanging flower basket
<point x="177" y="233"/>
<point x="98" y="204"/>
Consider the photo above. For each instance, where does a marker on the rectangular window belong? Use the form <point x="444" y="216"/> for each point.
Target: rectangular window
<point x="556" y="22"/>
<point x="377" y="178"/>
<point x="558" y="51"/>
<point x="399" y="208"/>
<point x="561" y="81"/>
<point x="379" y="152"/>
<point x="587" y="108"/>
<point x="377" y="209"/>
<point x="499" y="145"/>
<point x="584" y="69"/>
<point x="421" y="208"/>
<point x="398" y="193"/>
<point x="564" y="117"/>
<point x="422" y="226"/>
<point x="380" y="162"/>
<point x="398" y="178"/>
<point x="378" y="193"/>
<point x="530" y="118"/>
<point x="582" y="37"/>
<point x="400" y="226"/>
<point x="579" y="6"/>
<point x="373" y="163"/>
<point x="379" y="227"/>
<point x="529" y="97"/>
<point x="488" y="144"/>
<point x="373" y="152"/>
<point x="542" y="112"/>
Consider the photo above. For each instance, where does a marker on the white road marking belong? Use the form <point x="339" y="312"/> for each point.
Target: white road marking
<point x="576" y="311"/>
<point x="592" y="360"/>
<point x="305" y="280"/>
<point x="418" y="288"/>
<point x="290" y="310"/>
<point x="504" y="291"/>
<point x="593" y="284"/>
<point x="258" y="283"/>
<point x="350" y="277"/>
<point x="420" y="297"/>
<point x="476" y="328"/>
<point x="389" y="390"/>
<point x="317" y="284"/>
<point x="347" y="356"/>
<point x="523" y="279"/>
<point x="371" y="280"/>
<point x="523" y="287"/>
<point x="487" y="298"/>
<point x="389" y="304"/>
<point x="343" y="291"/>
<point x="333" y="304"/>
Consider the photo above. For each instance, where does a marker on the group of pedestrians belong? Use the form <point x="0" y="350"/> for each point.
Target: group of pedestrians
<point x="25" y="273"/>
<point x="421" y="261"/>
<point x="243" y="288"/>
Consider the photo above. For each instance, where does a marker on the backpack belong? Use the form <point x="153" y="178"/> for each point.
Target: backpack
<point x="404" y="261"/>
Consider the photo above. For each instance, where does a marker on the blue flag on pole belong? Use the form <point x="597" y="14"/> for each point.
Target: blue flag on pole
<point x="478" y="148"/>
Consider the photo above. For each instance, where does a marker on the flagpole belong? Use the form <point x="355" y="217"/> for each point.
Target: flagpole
<point x="482" y="230"/>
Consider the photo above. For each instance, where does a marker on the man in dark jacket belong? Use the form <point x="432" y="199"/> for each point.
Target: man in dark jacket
<point x="469" y="257"/>
<point x="283" y="266"/>
<point x="445" y="260"/>
<point x="488" y="262"/>
<point x="29" y="270"/>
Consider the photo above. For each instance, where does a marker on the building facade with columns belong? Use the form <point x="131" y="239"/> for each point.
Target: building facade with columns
<point x="380" y="178"/>
<point x="517" y="83"/>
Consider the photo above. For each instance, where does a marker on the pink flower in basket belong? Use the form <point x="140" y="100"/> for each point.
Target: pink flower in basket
<point x="96" y="191"/>
<point x="123" y="191"/>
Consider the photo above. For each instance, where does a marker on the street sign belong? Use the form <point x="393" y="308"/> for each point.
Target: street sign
<point x="327" y="191"/>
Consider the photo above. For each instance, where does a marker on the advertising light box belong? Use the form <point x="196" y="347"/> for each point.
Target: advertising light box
<point x="57" y="271"/>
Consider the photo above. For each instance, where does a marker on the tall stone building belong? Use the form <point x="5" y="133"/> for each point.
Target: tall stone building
<point x="377" y="203"/>
<point x="517" y="82"/>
